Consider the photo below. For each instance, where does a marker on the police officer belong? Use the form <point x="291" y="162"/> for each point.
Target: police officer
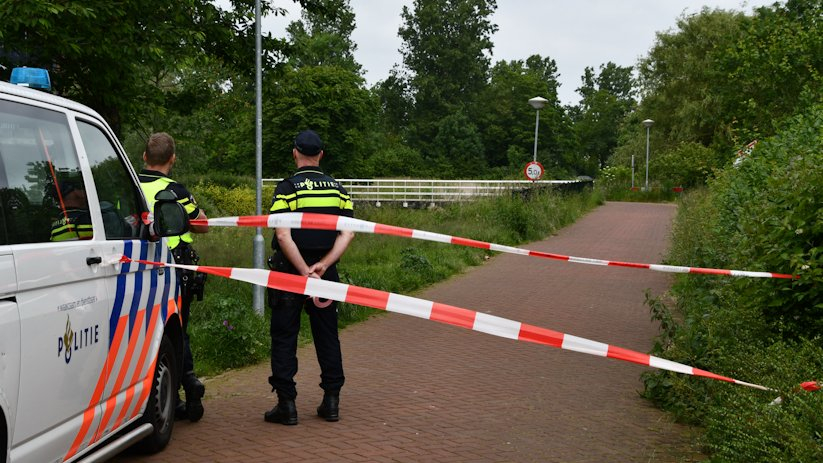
<point x="159" y="158"/>
<point x="74" y="222"/>
<point x="311" y="253"/>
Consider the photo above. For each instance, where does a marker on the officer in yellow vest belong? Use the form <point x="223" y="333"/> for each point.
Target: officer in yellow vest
<point x="159" y="157"/>
<point x="74" y="221"/>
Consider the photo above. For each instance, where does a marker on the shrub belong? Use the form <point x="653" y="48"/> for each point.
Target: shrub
<point x="218" y="200"/>
<point x="688" y="164"/>
<point x="772" y="208"/>
<point x="615" y="177"/>
<point x="745" y="426"/>
<point x="395" y="158"/>
<point x="763" y="215"/>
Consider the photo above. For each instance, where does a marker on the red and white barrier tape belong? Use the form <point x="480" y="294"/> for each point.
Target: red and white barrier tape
<point x="811" y="386"/>
<point x="448" y="314"/>
<point x="335" y="222"/>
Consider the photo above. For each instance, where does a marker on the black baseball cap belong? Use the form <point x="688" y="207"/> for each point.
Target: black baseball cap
<point x="308" y="143"/>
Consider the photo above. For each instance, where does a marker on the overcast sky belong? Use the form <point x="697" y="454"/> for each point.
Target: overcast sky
<point x="575" y="33"/>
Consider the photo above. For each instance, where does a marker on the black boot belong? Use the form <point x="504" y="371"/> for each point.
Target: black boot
<point x="329" y="409"/>
<point x="195" y="390"/>
<point x="285" y="412"/>
<point x="180" y="410"/>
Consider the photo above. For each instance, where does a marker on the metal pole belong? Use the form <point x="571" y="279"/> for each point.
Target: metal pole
<point x="647" y="158"/>
<point x="257" y="295"/>
<point x="632" y="172"/>
<point x="536" y="125"/>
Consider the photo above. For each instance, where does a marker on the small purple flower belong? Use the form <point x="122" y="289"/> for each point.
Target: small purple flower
<point x="227" y="325"/>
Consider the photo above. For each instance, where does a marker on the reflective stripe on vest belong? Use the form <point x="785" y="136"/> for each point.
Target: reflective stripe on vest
<point x="306" y="196"/>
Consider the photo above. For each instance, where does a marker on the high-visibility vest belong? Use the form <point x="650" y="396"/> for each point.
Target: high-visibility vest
<point x="150" y="189"/>
<point x="310" y="190"/>
<point x="75" y="224"/>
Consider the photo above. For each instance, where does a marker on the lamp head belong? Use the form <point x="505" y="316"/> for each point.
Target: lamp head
<point x="538" y="102"/>
<point x="648" y="123"/>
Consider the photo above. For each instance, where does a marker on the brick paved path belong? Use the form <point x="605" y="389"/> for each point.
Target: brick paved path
<point x="419" y="391"/>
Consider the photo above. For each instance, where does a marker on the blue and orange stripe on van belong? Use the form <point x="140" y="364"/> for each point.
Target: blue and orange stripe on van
<point x="129" y="318"/>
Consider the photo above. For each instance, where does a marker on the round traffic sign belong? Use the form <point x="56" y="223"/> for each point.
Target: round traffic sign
<point x="533" y="171"/>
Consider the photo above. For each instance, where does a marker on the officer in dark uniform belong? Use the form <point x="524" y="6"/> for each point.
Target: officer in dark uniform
<point x="159" y="158"/>
<point x="312" y="253"/>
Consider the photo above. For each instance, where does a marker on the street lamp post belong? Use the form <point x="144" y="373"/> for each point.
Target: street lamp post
<point x="648" y="124"/>
<point x="258" y="294"/>
<point x="537" y="103"/>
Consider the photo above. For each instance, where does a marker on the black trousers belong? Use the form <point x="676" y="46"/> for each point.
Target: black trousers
<point x="184" y="254"/>
<point x="285" y="325"/>
<point x="185" y="308"/>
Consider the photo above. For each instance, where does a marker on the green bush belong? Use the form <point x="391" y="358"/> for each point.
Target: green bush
<point x="395" y="158"/>
<point x="745" y="426"/>
<point x="220" y="200"/>
<point x="615" y="177"/>
<point x="772" y="207"/>
<point x="688" y="164"/>
<point x="763" y="215"/>
<point x="615" y="184"/>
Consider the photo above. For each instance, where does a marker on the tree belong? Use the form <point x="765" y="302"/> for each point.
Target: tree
<point x="606" y="99"/>
<point x="214" y="130"/>
<point x="506" y="121"/>
<point x="395" y="103"/>
<point x="458" y="145"/>
<point x="688" y="164"/>
<point x="680" y="75"/>
<point x="723" y="79"/>
<point x="328" y="99"/>
<point x="774" y="70"/>
<point x="112" y="55"/>
<point x="319" y="86"/>
<point x="446" y="50"/>
<point x="323" y="36"/>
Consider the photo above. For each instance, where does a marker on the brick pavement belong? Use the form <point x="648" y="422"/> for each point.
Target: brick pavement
<point x="422" y="391"/>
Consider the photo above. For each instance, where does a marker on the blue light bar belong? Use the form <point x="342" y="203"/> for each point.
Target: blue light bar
<point x="31" y="77"/>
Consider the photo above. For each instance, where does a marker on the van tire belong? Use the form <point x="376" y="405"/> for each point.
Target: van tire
<point x="162" y="399"/>
<point x="3" y="437"/>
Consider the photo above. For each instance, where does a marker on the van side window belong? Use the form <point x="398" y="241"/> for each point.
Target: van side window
<point x="119" y="199"/>
<point x="42" y="193"/>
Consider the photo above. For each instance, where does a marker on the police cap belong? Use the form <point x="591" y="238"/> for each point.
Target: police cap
<point x="308" y="143"/>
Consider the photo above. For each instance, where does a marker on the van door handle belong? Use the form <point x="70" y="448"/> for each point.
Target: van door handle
<point x="94" y="260"/>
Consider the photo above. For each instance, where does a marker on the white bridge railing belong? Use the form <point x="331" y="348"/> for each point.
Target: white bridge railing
<point x="432" y="191"/>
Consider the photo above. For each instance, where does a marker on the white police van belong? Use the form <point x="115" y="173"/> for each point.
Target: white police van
<point x="90" y="348"/>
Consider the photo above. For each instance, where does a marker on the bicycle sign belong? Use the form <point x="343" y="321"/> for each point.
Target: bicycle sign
<point x="533" y="171"/>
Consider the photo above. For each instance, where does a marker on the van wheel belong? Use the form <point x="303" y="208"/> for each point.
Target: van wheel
<point x="162" y="400"/>
<point x="3" y="437"/>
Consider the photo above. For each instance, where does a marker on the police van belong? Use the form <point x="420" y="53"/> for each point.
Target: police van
<point x="90" y="342"/>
